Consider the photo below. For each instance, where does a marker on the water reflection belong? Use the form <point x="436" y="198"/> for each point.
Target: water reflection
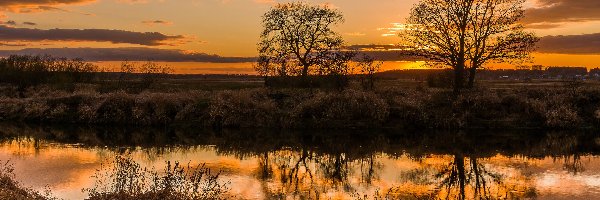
<point x="325" y="164"/>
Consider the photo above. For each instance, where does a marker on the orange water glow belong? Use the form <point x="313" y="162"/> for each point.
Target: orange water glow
<point x="67" y="169"/>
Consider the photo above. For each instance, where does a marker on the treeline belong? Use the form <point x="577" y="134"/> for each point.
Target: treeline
<point x="25" y="71"/>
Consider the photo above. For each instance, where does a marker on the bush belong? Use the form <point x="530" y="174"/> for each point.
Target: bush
<point x="159" y="108"/>
<point x="126" y="179"/>
<point x="116" y="108"/>
<point x="562" y="116"/>
<point x="343" y="109"/>
<point x="243" y="108"/>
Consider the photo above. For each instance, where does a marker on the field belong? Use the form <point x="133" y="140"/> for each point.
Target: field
<point x="244" y="101"/>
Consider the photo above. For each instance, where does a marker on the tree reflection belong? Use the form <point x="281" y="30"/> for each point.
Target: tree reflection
<point x="313" y="165"/>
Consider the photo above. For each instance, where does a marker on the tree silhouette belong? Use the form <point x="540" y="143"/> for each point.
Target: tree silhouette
<point x="297" y="34"/>
<point x="467" y="34"/>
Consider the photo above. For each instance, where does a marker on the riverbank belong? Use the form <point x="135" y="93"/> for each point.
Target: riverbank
<point x="11" y="189"/>
<point x="563" y="107"/>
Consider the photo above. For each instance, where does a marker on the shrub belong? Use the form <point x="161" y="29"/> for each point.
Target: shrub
<point x="347" y="108"/>
<point x="126" y="179"/>
<point x="243" y="108"/>
<point x="159" y="108"/>
<point x="116" y="108"/>
<point x="562" y="116"/>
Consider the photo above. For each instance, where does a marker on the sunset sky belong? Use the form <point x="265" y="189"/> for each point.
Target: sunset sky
<point x="230" y="28"/>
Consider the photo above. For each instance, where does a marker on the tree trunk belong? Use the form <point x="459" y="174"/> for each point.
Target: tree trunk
<point x="459" y="75"/>
<point x="305" y="70"/>
<point x="459" y="160"/>
<point x="472" y="72"/>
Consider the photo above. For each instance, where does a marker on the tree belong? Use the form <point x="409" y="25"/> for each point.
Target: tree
<point x="467" y="34"/>
<point x="297" y="35"/>
<point x="368" y="67"/>
<point x="336" y="65"/>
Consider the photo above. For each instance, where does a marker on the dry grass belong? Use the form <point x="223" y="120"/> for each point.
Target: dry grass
<point x="126" y="179"/>
<point x="558" y="107"/>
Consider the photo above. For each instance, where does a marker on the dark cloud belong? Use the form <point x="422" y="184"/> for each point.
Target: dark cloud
<point x="10" y="22"/>
<point x="156" y="22"/>
<point x="384" y="52"/>
<point x="559" y="11"/>
<point x="29" y="23"/>
<point x="131" y="54"/>
<point x="96" y="35"/>
<point x="570" y="44"/>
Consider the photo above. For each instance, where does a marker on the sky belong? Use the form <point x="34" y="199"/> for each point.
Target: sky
<point x="214" y="30"/>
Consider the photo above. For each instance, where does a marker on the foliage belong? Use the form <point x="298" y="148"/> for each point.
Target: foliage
<point x="332" y="109"/>
<point x="243" y="109"/>
<point x="126" y="179"/>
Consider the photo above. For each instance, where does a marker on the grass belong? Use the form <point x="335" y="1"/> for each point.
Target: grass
<point x="405" y="104"/>
<point x="126" y="179"/>
<point x="72" y="92"/>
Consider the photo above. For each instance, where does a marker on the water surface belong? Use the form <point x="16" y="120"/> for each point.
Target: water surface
<point x="321" y="164"/>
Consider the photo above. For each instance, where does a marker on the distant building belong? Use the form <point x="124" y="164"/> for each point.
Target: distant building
<point x="566" y="72"/>
<point x="537" y="67"/>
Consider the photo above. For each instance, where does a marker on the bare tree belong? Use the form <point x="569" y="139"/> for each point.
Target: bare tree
<point x="368" y="67"/>
<point x="467" y="34"/>
<point x="296" y="35"/>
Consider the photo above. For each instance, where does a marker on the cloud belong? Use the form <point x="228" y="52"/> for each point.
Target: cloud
<point x="156" y="22"/>
<point x="133" y="1"/>
<point x="355" y="34"/>
<point x="9" y="22"/>
<point x="131" y="54"/>
<point x="27" y="6"/>
<point x="94" y="35"/>
<point x="570" y="44"/>
<point x="29" y="23"/>
<point x="560" y="11"/>
<point x="265" y="1"/>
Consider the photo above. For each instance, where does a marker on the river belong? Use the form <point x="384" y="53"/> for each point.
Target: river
<point x="328" y="164"/>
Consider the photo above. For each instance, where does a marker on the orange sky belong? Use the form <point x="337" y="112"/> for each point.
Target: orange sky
<point x="231" y="27"/>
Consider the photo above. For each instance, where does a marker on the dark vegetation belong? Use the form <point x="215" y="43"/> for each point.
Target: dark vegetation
<point x="393" y="103"/>
<point x="147" y="95"/>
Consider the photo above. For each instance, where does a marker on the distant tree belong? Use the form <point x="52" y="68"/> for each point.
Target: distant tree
<point x="368" y="67"/>
<point x="295" y="36"/>
<point x="466" y="34"/>
<point x="336" y="65"/>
